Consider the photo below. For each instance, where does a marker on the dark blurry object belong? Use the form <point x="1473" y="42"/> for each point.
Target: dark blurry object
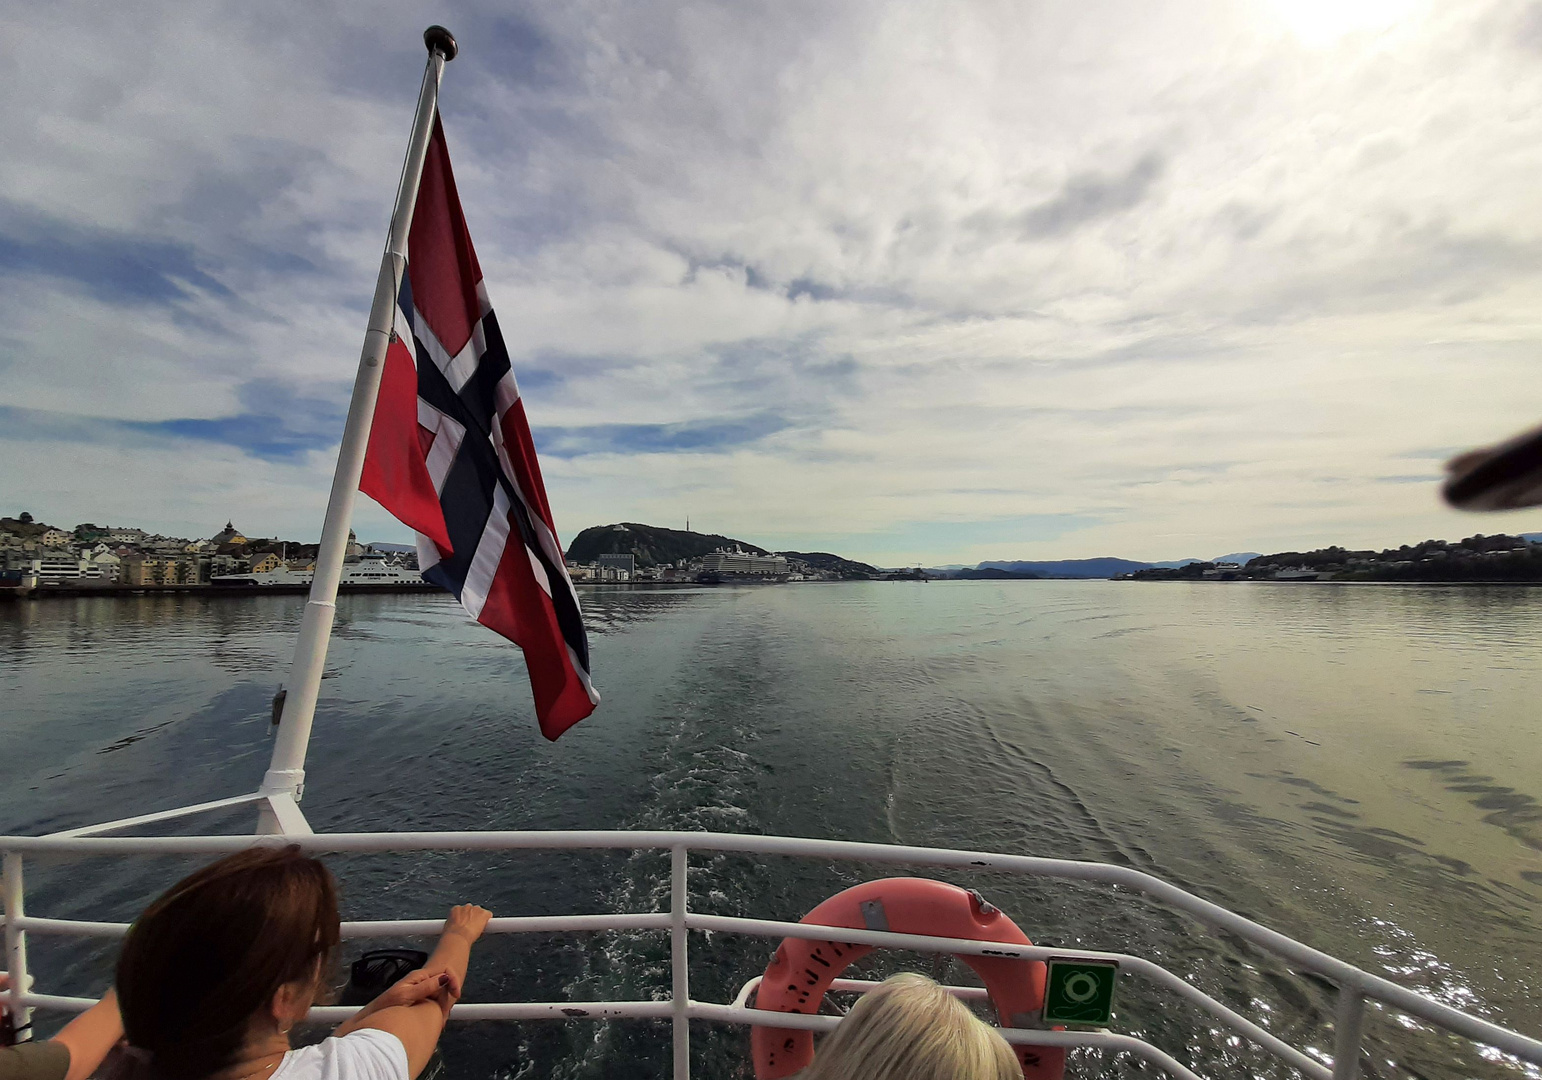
<point x="377" y="971"/>
<point x="1503" y="477"/>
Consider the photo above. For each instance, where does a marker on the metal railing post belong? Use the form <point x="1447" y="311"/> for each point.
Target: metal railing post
<point x="1348" y="1029"/>
<point x="16" y="945"/>
<point x="679" y="963"/>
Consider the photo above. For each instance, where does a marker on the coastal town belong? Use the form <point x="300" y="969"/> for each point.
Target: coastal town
<point x="36" y="555"/>
<point x="37" y="558"/>
<point x="1479" y="558"/>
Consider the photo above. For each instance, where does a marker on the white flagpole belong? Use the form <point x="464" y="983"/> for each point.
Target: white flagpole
<point x="285" y="779"/>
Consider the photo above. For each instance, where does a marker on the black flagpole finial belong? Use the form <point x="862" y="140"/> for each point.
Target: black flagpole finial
<point x="441" y="41"/>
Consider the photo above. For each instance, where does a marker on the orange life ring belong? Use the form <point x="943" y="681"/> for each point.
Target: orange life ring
<point x="801" y="971"/>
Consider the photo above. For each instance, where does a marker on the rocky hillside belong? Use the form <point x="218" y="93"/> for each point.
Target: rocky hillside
<point x="823" y="560"/>
<point x="651" y="544"/>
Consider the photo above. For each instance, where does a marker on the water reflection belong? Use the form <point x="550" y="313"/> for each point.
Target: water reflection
<point x="1356" y="766"/>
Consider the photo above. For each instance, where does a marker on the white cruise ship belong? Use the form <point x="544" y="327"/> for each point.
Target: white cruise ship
<point x="722" y="567"/>
<point x="369" y="570"/>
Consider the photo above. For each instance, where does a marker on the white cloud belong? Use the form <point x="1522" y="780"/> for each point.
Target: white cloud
<point x="1179" y="278"/>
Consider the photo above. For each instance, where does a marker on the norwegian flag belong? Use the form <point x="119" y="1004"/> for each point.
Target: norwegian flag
<point x="450" y="455"/>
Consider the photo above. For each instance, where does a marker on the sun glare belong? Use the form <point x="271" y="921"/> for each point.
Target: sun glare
<point x="1322" y="22"/>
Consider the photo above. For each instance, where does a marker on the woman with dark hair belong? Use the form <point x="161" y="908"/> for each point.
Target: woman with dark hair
<point x="218" y="969"/>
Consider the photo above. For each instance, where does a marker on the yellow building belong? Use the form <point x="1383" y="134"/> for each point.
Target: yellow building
<point x="142" y="570"/>
<point x="268" y="562"/>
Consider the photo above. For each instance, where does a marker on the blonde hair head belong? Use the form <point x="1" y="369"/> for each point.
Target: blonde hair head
<point x="909" y="1028"/>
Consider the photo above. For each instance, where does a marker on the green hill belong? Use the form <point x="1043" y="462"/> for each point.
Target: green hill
<point x="651" y="544"/>
<point x="995" y="573"/>
<point x="834" y="564"/>
<point x="27" y="530"/>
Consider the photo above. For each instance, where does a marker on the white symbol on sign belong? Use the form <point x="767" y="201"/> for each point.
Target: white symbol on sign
<point x="1081" y="988"/>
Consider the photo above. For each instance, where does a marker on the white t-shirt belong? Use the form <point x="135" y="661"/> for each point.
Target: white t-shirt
<point x="366" y="1054"/>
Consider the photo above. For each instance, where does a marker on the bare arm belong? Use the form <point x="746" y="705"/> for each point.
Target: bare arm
<point x="461" y="930"/>
<point x="410" y="989"/>
<point x="90" y="1035"/>
<point x="416" y="1008"/>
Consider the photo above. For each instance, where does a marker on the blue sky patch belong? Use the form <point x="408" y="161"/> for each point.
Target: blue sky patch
<point x="112" y="267"/>
<point x="690" y="436"/>
<point x="275" y="425"/>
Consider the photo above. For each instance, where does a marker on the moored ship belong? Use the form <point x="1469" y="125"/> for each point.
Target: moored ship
<point x="370" y="570"/>
<point x="741" y="567"/>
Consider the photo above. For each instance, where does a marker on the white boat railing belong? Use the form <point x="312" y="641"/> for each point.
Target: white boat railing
<point x="1355" y="987"/>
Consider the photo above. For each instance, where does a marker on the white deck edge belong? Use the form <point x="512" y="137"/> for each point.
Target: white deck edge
<point x="1351" y="980"/>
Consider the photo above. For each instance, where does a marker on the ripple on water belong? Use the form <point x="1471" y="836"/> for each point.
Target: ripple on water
<point x="1273" y="750"/>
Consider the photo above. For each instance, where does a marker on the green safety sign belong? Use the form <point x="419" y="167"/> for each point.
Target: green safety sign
<point x="1080" y="991"/>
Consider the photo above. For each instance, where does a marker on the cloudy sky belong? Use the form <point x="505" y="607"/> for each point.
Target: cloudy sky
<point x="905" y="281"/>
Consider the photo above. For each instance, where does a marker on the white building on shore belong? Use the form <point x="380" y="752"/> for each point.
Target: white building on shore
<point x="61" y="568"/>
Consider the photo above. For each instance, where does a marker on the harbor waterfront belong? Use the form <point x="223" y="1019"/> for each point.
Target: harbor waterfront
<point x="1356" y="767"/>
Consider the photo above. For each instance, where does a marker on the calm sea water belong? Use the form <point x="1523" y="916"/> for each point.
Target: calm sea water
<point x="1359" y="767"/>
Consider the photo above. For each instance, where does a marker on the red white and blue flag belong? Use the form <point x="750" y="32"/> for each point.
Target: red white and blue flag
<point x="450" y="455"/>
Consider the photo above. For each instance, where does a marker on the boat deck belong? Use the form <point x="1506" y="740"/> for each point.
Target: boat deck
<point x="286" y="824"/>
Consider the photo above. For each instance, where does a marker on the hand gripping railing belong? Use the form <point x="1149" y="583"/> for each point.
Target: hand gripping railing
<point x="1354" y="985"/>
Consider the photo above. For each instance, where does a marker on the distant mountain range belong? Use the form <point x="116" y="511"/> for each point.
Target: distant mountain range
<point x="992" y="573"/>
<point x="653" y="545"/>
<point x="1067" y="568"/>
<point x="1106" y="567"/>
